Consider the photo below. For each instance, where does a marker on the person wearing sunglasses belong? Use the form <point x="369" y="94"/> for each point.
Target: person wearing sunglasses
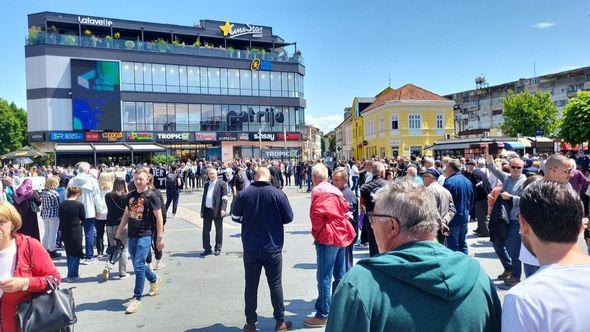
<point x="508" y="249"/>
<point x="415" y="283"/>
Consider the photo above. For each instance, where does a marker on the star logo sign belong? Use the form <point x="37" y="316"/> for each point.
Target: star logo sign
<point x="226" y="28"/>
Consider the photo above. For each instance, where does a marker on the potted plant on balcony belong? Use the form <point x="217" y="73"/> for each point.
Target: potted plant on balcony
<point x="254" y="53"/>
<point x="197" y="43"/>
<point x="230" y="51"/>
<point x="129" y="45"/>
<point x="87" y="37"/>
<point x="34" y="34"/>
<point x="139" y="44"/>
<point x="116" y="36"/>
<point x="69" y="40"/>
<point x="109" y="41"/>
<point x="52" y="30"/>
<point x="161" y="45"/>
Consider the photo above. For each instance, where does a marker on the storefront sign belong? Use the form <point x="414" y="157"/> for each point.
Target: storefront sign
<point x="269" y="115"/>
<point x="290" y="136"/>
<point x="92" y="136"/>
<point x="173" y="136"/>
<point x="227" y="136"/>
<point x="265" y="65"/>
<point x="36" y="137"/>
<point x="267" y="137"/>
<point x="136" y="136"/>
<point x="281" y="153"/>
<point x="112" y="136"/>
<point x="65" y="136"/>
<point x="103" y="22"/>
<point x="205" y="136"/>
<point x="229" y="30"/>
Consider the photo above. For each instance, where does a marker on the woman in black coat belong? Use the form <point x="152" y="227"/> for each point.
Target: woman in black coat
<point x="71" y="215"/>
<point x="27" y="202"/>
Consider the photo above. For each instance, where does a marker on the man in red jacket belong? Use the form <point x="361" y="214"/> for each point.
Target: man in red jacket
<point x="332" y="233"/>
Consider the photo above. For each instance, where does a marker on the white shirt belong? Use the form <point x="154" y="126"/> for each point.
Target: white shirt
<point x="527" y="257"/>
<point x="553" y="299"/>
<point x="354" y="171"/>
<point x="209" y="198"/>
<point x="7" y="261"/>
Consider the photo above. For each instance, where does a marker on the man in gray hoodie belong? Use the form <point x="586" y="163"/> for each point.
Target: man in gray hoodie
<point x="92" y="204"/>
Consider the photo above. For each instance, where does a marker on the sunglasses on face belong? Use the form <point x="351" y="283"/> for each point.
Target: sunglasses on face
<point x="515" y="167"/>
<point x="373" y="216"/>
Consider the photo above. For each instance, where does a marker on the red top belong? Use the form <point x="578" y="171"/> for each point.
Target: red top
<point x="34" y="264"/>
<point x="329" y="219"/>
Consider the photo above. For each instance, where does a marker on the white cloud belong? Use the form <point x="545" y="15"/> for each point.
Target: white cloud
<point x="543" y="25"/>
<point x="325" y="122"/>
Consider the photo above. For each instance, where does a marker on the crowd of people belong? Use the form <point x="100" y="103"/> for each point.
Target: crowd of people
<point x="411" y="214"/>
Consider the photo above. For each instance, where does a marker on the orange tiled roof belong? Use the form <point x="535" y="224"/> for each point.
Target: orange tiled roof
<point x="406" y="92"/>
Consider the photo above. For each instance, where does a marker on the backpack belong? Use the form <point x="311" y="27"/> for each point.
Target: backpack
<point x="171" y="181"/>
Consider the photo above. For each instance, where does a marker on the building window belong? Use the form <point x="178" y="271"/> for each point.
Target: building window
<point x="395" y="122"/>
<point x="465" y="99"/>
<point x="381" y="125"/>
<point x="440" y="121"/>
<point x="172" y="79"/>
<point x="264" y="79"/>
<point x="415" y="121"/>
<point x="214" y="80"/>
<point x="275" y="84"/>
<point x="127" y="76"/>
<point x="245" y="83"/>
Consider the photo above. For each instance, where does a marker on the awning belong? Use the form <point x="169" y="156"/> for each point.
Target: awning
<point x="111" y="148"/>
<point x="525" y="142"/>
<point x="73" y="148"/>
<point x="451" y="146"/>
<point x="512" y="145"/>
<point x="146" y="147"/>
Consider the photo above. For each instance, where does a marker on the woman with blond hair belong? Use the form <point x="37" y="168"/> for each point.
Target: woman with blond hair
<point x="25" y="267"/>
<point x="105" y="184"/>
<point x="50" y="215"/>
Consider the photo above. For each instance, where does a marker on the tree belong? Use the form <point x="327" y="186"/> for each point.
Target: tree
<point x="575" y="125"/>
<point x="21" y="115"/>
<point x="524" y="113"/>
<point x="12" y="133"/>
<point x="333" y="143"/>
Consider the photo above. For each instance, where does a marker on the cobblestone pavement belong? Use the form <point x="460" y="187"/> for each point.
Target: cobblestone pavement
<point x="206" y="294"/>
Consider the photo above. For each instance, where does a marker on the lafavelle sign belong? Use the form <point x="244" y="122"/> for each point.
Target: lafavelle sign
<point x="231" y="31"/>
<point x="103" y="22"/>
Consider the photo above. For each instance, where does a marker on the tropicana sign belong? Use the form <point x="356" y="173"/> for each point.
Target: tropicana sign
<point x="229" y="30"/>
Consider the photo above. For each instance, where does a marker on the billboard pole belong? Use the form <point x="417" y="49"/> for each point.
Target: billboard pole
<point x="260" y="141"/>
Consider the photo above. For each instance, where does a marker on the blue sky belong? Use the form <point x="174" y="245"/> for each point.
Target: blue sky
<point x="351" y="47"/>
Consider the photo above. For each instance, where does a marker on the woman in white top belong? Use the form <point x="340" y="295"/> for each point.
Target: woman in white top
<point x="105" y="184"/>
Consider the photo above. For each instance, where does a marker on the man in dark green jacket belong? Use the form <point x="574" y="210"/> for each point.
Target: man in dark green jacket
<point x="415" y="284"/>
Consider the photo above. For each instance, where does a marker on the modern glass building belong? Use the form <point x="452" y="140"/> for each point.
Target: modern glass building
<point x="118" y="90"/>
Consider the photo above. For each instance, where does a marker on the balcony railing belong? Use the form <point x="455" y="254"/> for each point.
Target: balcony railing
<point x="159" y="47"/>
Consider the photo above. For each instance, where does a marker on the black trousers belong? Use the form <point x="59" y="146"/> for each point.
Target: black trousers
<point x="172" y="197"/>
<point x="208" y="219"/>
<point x="480" y="208"/>
<point x="99" y="240"/>
<point x="273" y="266"/>
<point x="288" y="179"/>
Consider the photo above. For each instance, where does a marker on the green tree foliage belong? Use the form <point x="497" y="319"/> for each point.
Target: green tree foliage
<point x="163" y="159"/>
<point x="525" y="112"/>
<point x="13" y="127"/>
<point x="333" y="143"/>
<point x="575" y="126"/>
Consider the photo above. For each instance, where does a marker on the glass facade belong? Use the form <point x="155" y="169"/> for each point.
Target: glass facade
<point x="153" y="77"/>
<point x="209" y="117"/>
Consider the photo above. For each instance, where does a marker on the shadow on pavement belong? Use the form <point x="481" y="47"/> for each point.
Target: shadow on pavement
<point x="216" y="327"/>
<point x="302" y="310"/>
<point x="298" y="232"/>
<point x="237" y="235"/>
<point x="107" y="305"/>
<point x="188" y="254"/>
<point x="306" y="266"/>
<point x="486" y="255"/>
<point x="482" y="244"/>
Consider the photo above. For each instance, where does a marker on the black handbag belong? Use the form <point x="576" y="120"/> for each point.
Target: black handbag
<point x="53" y="310"/>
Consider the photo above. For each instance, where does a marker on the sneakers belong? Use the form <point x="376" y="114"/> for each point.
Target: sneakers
<point x="505" y="275"/>
<point x="249" y="327"/>
<point x="123" y="276"/>
<point x="133" y="307"/>
<point x="217" y="252"/>
<point x="154" y="287"/>
<point x="314" y="322"/>
<point x="206" y="253"/>
<point x="283" y="326"/>
<point x="105" y="273"/>
<point x="70" y="280"/>
<point x="512" y="281"/>
<point x="88" y="261"/>
<point x="159" y="265"/>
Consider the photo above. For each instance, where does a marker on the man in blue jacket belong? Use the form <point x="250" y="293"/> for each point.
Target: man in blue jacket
<point x="262" y="210"/>
<point x="461" y="190"/>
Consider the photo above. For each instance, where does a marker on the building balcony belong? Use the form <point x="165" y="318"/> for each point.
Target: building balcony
<point x="160" y="46"/>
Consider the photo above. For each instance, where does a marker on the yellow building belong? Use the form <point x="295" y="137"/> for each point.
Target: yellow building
<point x="402" y="122"/>
<point x="359" y="104"/>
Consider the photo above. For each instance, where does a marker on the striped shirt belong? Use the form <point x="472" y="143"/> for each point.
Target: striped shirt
<point x="49" y="204"/>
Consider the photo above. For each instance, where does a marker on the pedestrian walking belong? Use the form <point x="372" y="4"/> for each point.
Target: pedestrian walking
<point x="173" y="185"/>
<point x="213" y="206"/>
<point x="116" y="201"/>
<point x="262" y="210"/>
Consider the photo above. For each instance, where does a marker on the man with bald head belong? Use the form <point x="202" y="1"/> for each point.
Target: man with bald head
<point x="262" y="210"/>
<point x="508" y="250"/>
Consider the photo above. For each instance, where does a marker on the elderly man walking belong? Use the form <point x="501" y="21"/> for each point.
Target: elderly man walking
<point x="92" y="205"/>
<point x="415" y="284"/>
<point x="262" y="210"/>
<point x="332" y="233"/>
<point x="367" y="190"/>
<point x="508" y="250"/>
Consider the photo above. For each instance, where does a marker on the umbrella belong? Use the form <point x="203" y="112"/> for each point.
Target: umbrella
<point x="23" y="152"/>
<point x="23" y="160"/>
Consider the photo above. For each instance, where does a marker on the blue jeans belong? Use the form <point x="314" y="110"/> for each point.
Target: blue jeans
<point x="138" y="249"/>
<point x="509" y="249"/>
<point x="456" y="238"/>
<point x="89" y="234"/>
<point x="330" y="261"/>
<point x="73" y="266"/>
<point x="355" y="185"/>
<point x="529" y="270"/>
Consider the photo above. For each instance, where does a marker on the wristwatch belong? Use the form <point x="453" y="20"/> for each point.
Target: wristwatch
<point x="26" y="285"/>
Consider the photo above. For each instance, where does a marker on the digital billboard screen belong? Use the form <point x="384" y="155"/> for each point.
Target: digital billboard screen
<point x="96" y="95"/>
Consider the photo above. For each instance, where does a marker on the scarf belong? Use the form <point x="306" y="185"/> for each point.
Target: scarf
<point x="24" y="191"/>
